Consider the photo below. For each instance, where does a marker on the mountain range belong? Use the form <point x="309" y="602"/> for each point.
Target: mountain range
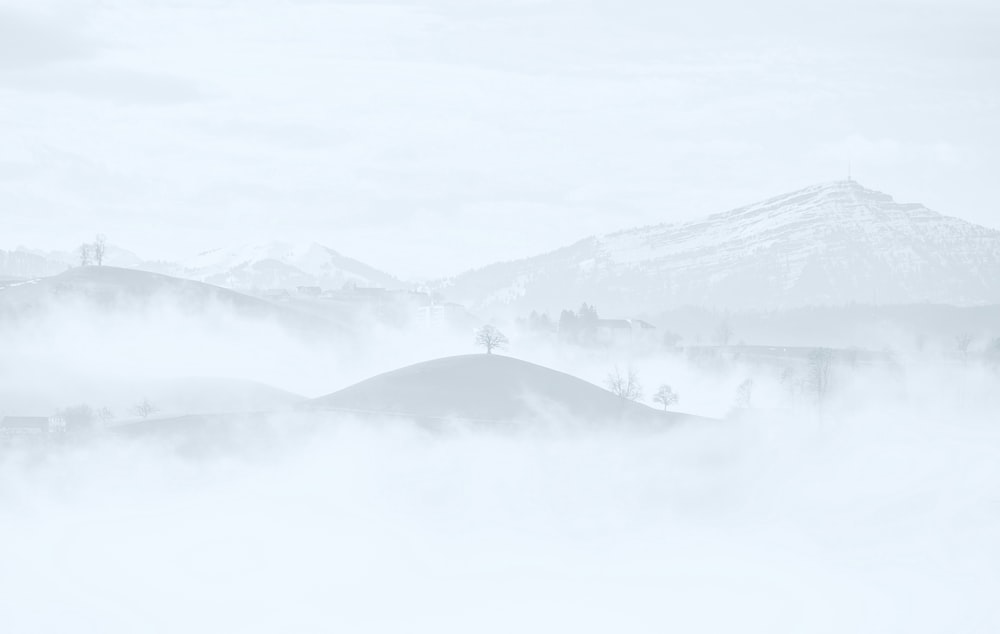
<point x="830" y="244"/>
<point x="281" y="265"/>
<point x="275" y="265"/>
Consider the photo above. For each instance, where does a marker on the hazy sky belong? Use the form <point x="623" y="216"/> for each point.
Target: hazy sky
<point x="428" y="137"/>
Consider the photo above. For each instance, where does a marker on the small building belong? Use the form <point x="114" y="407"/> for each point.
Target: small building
<point x="16" y="426"/>
<point x="640" y="325"/>
<point x="310" y="291"/>
<point x="612" y="331"/>
<point x="623" y="331"/>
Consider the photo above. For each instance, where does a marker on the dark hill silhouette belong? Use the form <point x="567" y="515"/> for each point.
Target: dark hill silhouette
<point x="112" y="288"/>
<point x="486" y="388"/>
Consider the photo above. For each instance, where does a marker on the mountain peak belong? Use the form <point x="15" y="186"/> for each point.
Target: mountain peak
<point x="829" y="243"/>
<point x="278" y="264"/>
<point x="851" y="187"/>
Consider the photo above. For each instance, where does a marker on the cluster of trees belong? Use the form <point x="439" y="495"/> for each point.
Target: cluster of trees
<point x="991" y="352"/>
<point x="579" y="325"/>
<point x="626" y="385"/>
<point x="816" y="379"/>
<point x="570" y="322"/>
<point x="585" y="317"/>
<point x="539" y="323"/>
<point x="143" y="409"/>
<point x="93" y="252"/>
<point x="83" y="418"/>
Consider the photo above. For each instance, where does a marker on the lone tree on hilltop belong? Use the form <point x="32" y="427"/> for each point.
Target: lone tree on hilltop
<point x="665" y="396"/>
<point x="624" y="386"/>
<point x="491" y="338"/>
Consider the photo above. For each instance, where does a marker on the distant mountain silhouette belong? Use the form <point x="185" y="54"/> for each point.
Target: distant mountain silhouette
<point x="278" y="265"/>
<point x="829" y="244"/>
<point x="253" y="267"/>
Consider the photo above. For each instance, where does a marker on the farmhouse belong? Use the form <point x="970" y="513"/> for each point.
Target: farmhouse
<point x="622" y="331"/>
<point x="15" y="426"/>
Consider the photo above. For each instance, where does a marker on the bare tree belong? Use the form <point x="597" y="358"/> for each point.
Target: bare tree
<point x="85" y="255"/>
<point x="787" y="378"/>
<point x="624" y="386"/>
<point x="993" y="352"/>
<point x="144" y="409"/>
<point x="724" y="333"/>
<point x="665" y="396"/>
<point x="105" y="415"/>
<point x="744" y="393"/>
<point x="491" y="338"/>
<point x="962" y="343"/>
<point x="820" y="372"/>
<point x="99" y="247"/>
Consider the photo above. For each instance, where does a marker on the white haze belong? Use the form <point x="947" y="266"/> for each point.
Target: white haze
<point x="78" y="343"/>
<point x="426" y="137"/>
<point x="880" y="520"/>
<point x="876" y="513"/>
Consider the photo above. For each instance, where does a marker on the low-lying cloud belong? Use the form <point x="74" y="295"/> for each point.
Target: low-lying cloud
<point x="882" y="519"/>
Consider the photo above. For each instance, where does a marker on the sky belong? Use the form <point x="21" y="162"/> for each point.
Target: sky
<point x="425" y="138"/>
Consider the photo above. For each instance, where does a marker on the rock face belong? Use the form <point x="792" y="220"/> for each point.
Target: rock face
<point x="829" y="244"/>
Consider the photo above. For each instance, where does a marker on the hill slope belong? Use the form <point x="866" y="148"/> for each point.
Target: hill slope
<point x="485" y="388"/>
<point x="180" y="396"/>
<point x="111" y="288"/>
<point x="830" y="244"/>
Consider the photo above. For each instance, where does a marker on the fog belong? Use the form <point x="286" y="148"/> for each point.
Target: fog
<point x="482" y="316"/>
<point x="874" y="510"/>
<point x="881" y="520"/>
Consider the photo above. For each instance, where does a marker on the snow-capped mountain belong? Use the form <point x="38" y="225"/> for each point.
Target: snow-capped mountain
<point x="276" y="265"/>
<point x="828" y="244"/>
<point x="280" y="265"/>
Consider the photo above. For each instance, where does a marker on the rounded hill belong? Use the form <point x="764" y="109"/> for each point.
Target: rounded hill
<point x="488" y="388"/>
